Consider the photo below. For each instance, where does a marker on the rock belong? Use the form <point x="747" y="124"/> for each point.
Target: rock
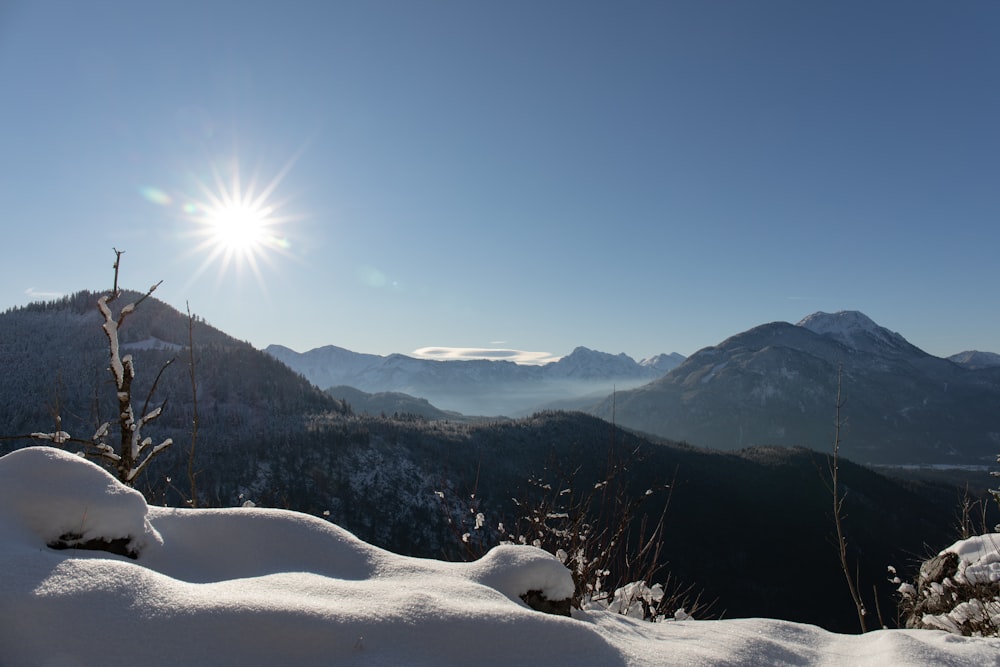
<point x="121" y="546"/>
<point x="537" y="601"/>
<point x="939" y="568"/>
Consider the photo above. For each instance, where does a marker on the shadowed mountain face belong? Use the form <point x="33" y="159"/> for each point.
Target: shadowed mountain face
<point x="776" y="384"/>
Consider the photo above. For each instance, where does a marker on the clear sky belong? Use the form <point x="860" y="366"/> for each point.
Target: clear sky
<point x="637" y="177"/>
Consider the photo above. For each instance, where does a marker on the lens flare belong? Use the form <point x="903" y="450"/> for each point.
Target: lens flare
<point x="155" y="195"/>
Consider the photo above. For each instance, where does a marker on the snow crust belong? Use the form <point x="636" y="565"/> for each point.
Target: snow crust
<point x="251" y="586"/>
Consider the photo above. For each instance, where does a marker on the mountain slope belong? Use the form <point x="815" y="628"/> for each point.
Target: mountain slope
<point x="777" y="384"/>
<point x="55" y="360"/>
<point x="389" y="403"/>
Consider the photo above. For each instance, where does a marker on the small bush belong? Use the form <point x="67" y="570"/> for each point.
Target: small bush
<point x="613" y="549"/>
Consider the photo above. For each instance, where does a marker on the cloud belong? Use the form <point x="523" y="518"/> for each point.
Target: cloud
<point x="43" y="295"/>
<point x="491" y="353"/>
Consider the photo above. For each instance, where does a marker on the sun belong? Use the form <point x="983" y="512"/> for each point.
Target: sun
<point x="238" y="224"/>
<point x="239" y="227"/>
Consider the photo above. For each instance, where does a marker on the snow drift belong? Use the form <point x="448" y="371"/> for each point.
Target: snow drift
<point x="253" y="586"/>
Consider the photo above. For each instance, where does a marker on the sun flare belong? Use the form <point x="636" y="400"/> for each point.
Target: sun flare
<point x="238" y="225"/>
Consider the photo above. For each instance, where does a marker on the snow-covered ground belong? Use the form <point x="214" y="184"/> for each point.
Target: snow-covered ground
<point x="251" y="586"/>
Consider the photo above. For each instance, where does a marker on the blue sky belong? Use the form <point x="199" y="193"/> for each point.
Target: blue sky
<point x="635" y="177"/>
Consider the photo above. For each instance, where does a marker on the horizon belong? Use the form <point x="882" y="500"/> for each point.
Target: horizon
<point x="520" y="357"/>
<point x="525" y="178"/>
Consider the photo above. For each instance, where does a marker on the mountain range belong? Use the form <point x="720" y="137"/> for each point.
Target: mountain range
<point x="479" y="386"/>
<point x="777" y="384"/>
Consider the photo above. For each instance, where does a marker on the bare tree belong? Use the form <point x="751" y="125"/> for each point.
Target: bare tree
<point x="193" y="500"/>
<point x="838" y="507"/>
<point x="134" y="451"/>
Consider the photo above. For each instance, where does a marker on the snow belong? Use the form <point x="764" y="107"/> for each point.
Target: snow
<point x="841" y="324"/>
<point x="151" y="343"/>
<point x="979" y="559"/>
<point x="252" y="586"/>
<point x="853" y="328"/>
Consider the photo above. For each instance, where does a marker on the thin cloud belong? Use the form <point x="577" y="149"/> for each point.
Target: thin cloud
<point x="442" y="353"/>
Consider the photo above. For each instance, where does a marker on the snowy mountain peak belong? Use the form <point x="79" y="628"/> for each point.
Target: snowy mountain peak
<point x="840" y="323"/>
<point x="663" y="362"/>
<point x="854" y="329"/>
<point x="586" y="354"/>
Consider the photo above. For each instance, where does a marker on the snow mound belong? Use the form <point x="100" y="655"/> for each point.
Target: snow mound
<point x="49" y="493"/>
<point x="257" y="587"/>
<point x="514" y="570"/>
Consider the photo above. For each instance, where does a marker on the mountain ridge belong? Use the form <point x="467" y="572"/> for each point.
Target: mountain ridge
<point x="477" y="386"/>
<point x="776" y="384"/>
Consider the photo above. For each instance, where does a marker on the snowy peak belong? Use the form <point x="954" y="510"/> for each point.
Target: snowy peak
<point x="855" y="330"/>
<point x="663" y="363"/>
<point x="839" y="323"/>
<point x="586" y="363"/>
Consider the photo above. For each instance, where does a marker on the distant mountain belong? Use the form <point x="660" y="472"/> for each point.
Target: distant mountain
<point x="974" y="359"/>
<point x="776" y="384"/>
<point x="663" y="363"/>
<point x="479" y="386"/>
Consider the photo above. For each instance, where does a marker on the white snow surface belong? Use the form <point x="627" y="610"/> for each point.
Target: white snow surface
<point x="978" y="558"/>
<point x="251" y="586"/>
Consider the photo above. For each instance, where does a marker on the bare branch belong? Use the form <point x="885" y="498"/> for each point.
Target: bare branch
<point x="193" y="500"/>
<point x="838" y="508"/>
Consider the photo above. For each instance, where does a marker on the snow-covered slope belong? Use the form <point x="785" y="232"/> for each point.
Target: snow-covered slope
<point x="857" y="331"/>
<point x="264" y="587"/>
